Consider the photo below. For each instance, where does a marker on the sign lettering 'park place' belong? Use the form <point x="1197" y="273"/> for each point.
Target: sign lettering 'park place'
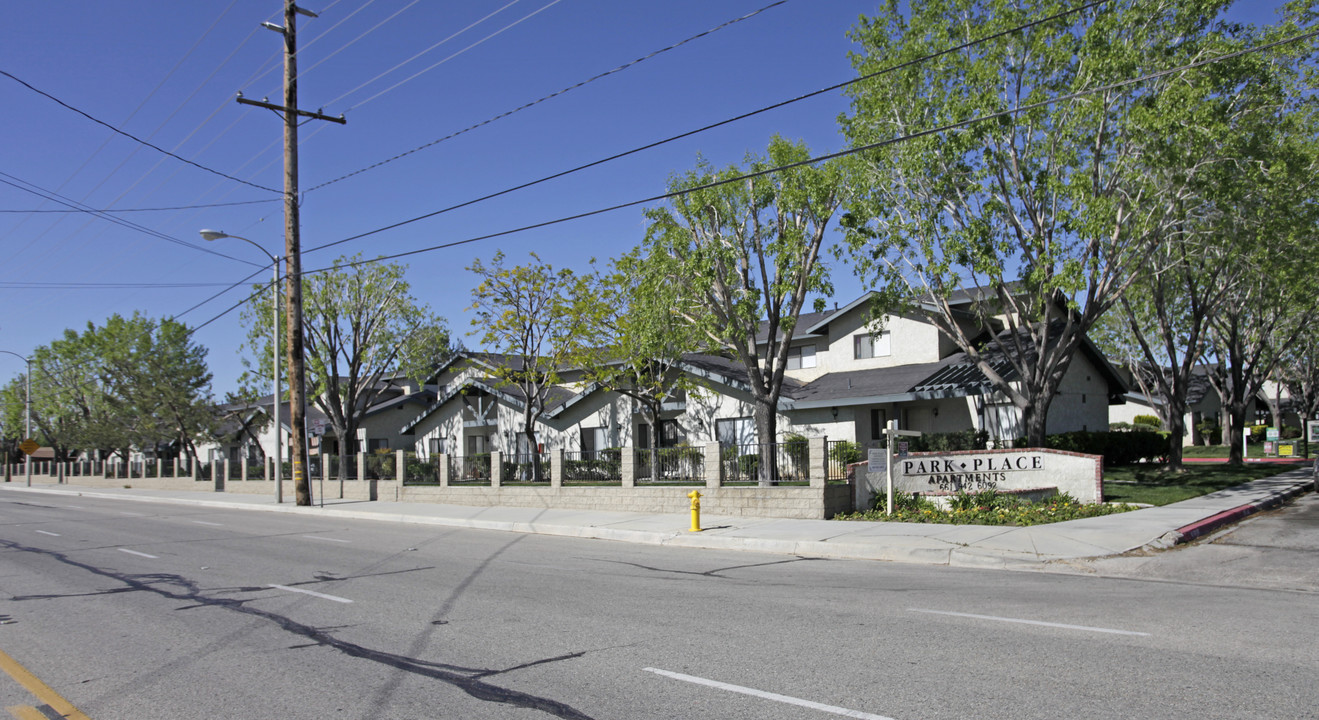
<point x="970" y="473"/>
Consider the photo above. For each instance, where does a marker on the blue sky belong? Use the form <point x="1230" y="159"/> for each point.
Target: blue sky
<point x="167" y="72"/>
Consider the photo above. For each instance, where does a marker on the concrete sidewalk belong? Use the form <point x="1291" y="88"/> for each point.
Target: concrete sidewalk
<point x="953" y="545"/>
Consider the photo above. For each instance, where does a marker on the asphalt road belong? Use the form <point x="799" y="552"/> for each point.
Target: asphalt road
<point x="135" y="610"/>
<point x="1278" y="549"/>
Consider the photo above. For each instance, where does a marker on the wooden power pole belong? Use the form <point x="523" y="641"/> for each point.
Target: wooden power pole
<point x="298" y="448"/>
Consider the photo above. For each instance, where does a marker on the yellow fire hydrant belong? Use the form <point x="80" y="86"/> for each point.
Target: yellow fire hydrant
<point x="696" y="510"/>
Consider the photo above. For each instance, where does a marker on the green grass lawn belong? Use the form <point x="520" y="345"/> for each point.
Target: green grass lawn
<point x="1152" y="485"/>
<point x="1220" y="451"/>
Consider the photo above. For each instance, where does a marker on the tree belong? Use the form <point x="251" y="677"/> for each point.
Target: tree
<point x="1230" y="158"/>
<point x="748" y="251"/>
<point x="157" y="377"/>
<point x="361" y="326"/>
<point x="543" y="320"/>
<point x="644" y="340"/>
<point x="1043" y="212"/>
<point x="132" y="383"/>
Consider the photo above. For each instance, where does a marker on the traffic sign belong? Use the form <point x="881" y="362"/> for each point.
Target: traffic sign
<point x="29" y="446"/>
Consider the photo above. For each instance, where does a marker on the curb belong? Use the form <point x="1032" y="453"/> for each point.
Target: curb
<point x="1203" y="527"/>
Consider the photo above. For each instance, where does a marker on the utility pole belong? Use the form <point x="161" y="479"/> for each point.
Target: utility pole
<point x="298" y="449"/>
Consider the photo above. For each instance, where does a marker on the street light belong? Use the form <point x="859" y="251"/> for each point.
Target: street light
<point x="27" y="409"/>
<point x="212" y="235"/>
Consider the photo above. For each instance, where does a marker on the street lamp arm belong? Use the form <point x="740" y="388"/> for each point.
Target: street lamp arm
<point x="212" y="235"/>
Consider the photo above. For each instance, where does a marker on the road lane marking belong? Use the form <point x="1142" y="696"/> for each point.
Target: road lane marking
<point x="41" y="690"/>
<point x="203" y="522"/>
<point x="140" y="554"/>
<point x="1032" y="622"/>
<point x="313" y="593"/>
<point x="43" y="532"/>
<point x="769" y="695"/>
<point x="326" y="539"/>
<point x="131" y="514"/>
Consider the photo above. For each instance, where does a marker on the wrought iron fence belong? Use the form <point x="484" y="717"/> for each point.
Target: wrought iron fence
<point x="379" y="467"/>
<point x="421" y="472"/>
<point x="470" y="469"/>
<point x="525" y="468"/>
<point x="842" y="454"/>
<point x="681" y="465"/>
<point x="593" y="466"/>
<point x="789" y="461"/>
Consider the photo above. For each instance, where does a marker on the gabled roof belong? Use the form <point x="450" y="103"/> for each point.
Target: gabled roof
<point x="511" y="394"/>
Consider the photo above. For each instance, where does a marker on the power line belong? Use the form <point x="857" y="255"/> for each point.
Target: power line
<point x="150" y="209"/>
<point x="132" y="137"/>
<point x="810" y="161"/>
<point x="689" y="133"/>
<point x="102" y="286"/>
<point x="419" y="73"/>
<point x="570" y="88"/>
<point x="37" y="190"/>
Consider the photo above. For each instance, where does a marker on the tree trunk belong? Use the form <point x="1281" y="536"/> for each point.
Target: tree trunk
<point x="1176" y="423"/>
<point x="766" y="429"/>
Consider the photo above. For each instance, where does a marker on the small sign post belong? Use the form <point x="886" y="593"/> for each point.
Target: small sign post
<point x="893" y="432"/>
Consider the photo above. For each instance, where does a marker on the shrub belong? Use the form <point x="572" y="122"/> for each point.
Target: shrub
<point x="1119" y="425"/>
<point x="845" y="452"/>
<point x="1150" y="420"/>
<point x="1257" y="433"/>
<point x="795" y="445"/>
<point x="949" y="442"/>
<point x="1290" y="432"/>
<point x="1210" y="432"/>
<point x="1118" y="448"/>
<point x="987" y="508"/>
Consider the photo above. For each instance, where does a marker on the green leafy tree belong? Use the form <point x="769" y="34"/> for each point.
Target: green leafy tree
<point x="1044" y="211"/>
<point x="544" y="320"/>
<point x="748" y="252"/>
<point x="361" y="327"/>
<point x="1231" y="152"/>
<point x="644" y="340"/>
<point x="132" y="383"/>
<point x="157" y="381"/>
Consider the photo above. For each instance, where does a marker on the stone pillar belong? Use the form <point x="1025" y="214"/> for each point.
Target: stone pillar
<point x="627" y="467"/>
<point x="817" y="461"/>
<point x="361" y="466"/>
<point x="443" y="469"/>
<point x="556" y="468"/>
<point x="242" y="466"/>
<point x="714" y="468"/>
<point x="400" y="467"/>
<point x="496" y="468"/>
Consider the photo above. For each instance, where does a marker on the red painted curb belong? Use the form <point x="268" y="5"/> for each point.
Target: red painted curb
<point x="1213" y="522"/>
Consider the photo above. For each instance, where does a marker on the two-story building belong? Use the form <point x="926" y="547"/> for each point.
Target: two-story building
<point x="842" y="381"/>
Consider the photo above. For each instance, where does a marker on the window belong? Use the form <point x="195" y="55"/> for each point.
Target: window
<point x="374" y="444"/>
<point x="735" y="431"/>
<point x="866" y="346"/>
<point x="594" y="439"/>
<point x="801" y="357"/>
<point x="437" y="446"/>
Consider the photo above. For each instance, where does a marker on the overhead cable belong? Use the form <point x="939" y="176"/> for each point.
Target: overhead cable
<point x="570" y="88"/>
<point x="133" y="137"/>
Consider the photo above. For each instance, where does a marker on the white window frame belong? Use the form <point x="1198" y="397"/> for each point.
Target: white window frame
<point x="801" y="358"/>
<point x="876" y="345"/>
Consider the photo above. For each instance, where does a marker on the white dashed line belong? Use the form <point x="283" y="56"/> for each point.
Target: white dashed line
<point x="326" y="539"/>
<point x="1032" y="622"/>
<point x="139" y="554"/>
<point x="312" y="593"/>
<point x="43" y="532"/>
<point x="203" y="522"/>
<point x="769" y="695"/>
